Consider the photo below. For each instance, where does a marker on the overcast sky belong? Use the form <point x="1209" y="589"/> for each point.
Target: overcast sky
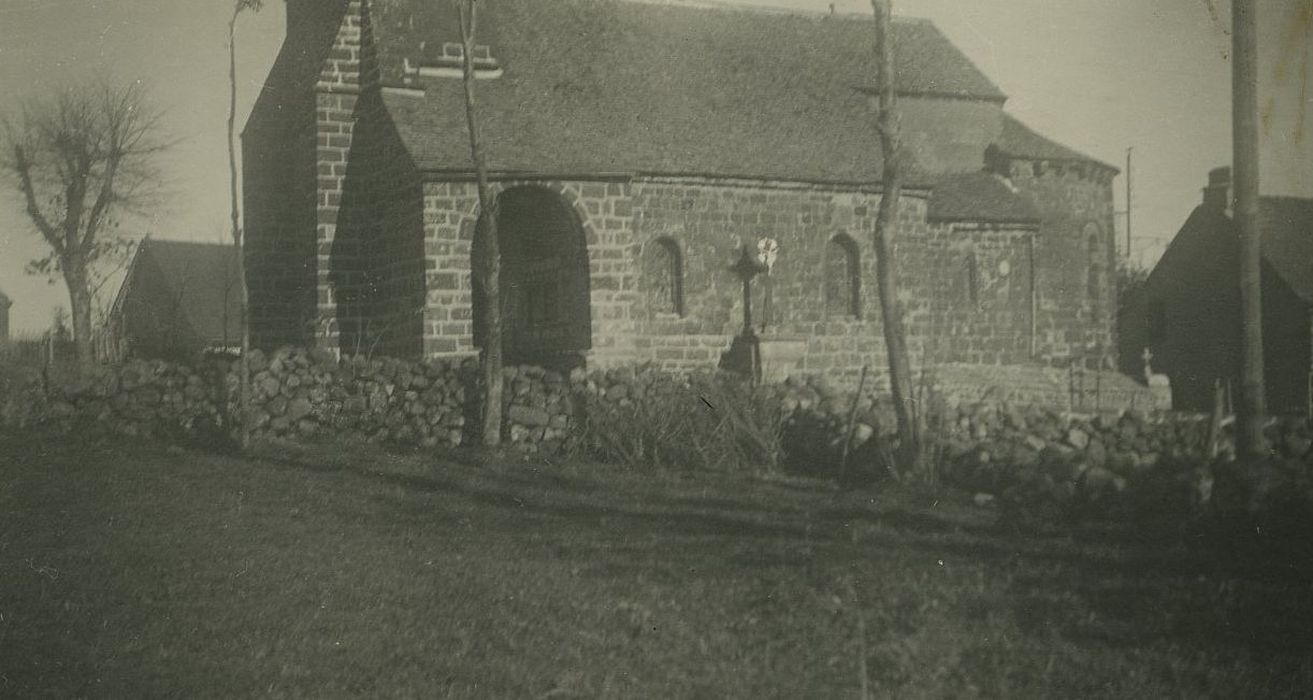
<point x="1097" y="75"/>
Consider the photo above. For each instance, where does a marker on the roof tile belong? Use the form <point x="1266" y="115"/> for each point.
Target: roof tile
<point x="1021" y="141"/>
<point x="1287" y="240"/>
<point x="980" y="197"/>
<point x="604" y="86"/>
<point x="203" y="277"/>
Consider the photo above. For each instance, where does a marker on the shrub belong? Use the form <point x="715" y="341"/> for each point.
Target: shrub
<point x="23" y="379"/>
<point x="645" y="418"/>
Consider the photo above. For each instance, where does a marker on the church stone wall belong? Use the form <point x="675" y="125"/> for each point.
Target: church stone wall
<point x="1077" y="287"/>
<point x="708" y="221"/>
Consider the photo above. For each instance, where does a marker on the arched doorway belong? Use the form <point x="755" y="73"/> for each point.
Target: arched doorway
<point x="546" y="309"/>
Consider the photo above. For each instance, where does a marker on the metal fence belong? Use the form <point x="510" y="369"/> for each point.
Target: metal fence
<point x="1084" y="385"/>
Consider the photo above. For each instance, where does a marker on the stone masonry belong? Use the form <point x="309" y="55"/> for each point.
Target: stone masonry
<point x="708" y="221"/>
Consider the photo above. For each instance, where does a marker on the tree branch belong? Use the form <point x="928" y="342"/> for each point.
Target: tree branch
<point x="103" y="200"/>
<point x="23" y="168"/>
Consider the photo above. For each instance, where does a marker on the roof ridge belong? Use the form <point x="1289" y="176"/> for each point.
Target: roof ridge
<point x="177" y="241"/>
<point x="728" y="6"/>
<point x="1292" y="197"/>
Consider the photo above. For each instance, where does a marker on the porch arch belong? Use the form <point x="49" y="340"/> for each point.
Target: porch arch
<point x="545" y="278"/>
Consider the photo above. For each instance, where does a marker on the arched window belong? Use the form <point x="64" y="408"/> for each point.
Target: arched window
<point x="663" y="272"/>
<point x="843" y="278"/>
<point x="1094" y="270"/>
<point x="971" y="279"/>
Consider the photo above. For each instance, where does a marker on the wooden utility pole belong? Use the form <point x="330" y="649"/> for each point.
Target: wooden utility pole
<point x="1244" y="99"/>
<point x="1128" y="202"/>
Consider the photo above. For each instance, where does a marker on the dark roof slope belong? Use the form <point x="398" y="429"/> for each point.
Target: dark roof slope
<point x="1287" y="240"/>
<point x="1021" y="141"/>
<point x="1286" y="228"/>
<point x="604" y="86"/>
<point x="926" y="61"/>
<point x="203" y="277"/>
<point x="291" y="80"/>
<point x="4" y="300"/>
<point x="979" y="197"/>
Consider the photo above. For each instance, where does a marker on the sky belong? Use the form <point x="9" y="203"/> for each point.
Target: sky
<point x="1100" y="76"/>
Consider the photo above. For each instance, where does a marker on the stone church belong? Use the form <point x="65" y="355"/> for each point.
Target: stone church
<point x="637" y="148"/>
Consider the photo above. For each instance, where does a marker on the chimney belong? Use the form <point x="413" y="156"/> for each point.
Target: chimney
<point x="1217" y="195"/>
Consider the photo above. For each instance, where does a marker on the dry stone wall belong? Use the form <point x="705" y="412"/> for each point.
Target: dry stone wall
<point x="301" y="394"/>
<point x="986" y="445"/>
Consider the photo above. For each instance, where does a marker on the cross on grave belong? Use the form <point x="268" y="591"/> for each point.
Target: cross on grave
<point x="746" y="268"/>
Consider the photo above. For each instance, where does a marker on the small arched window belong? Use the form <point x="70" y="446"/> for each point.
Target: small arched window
<point x="663" y="270"/>
<point x="1094" y="270"/>
<point x="971" y="279"/>
<point x="843" y="296"/>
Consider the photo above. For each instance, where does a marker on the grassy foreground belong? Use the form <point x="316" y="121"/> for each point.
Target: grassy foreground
<point x="133" y="570"/>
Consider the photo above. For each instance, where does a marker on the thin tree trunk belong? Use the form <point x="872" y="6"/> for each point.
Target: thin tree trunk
<point x="886" y="223"/>
<point x="1244" y="88"/>
<point x="244" y="362"/>
<point x="486" y="231"/>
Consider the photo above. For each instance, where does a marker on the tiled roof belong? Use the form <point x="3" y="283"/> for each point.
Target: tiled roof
<point x="203" y="278"/>
<point x="979" y="197"/>
<point x="1287" y="240"/>
<point x="1021" y="141"/>
<point x="593" y="86"/>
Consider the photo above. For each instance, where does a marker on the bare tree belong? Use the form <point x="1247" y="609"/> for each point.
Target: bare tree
<point x="910" y="456"/>
<point x="489" y="262"/>
<point x="78" y="158"/>
<point x="244" y="362"/>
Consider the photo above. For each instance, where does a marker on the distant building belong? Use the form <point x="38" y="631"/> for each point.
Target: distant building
<point x="1188" y="312"/>
<point x="5" y="303"/>
<point x="178" y="298"/>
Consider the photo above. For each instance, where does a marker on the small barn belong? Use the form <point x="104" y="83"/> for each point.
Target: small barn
<point x="1187" y="315"/>
<point x="178" y="298"/>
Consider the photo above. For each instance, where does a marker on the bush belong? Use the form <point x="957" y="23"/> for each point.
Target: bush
<point x="23" y="379"/>
<point x="1273" y="494"/>
<point x="645" y="418"/>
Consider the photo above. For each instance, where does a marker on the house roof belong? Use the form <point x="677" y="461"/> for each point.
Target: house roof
<point x="203" y="277"/>
<point x="1019" y="140"/>
<point x="979" y="197"/>
<point x="4" y="300"/>
<point x="1287" y="240"/>
<point x="598" y="86"/>
<point x="1286" y="230"/>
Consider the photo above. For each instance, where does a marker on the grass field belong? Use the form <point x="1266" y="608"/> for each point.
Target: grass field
<point x="131" y="570"/>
